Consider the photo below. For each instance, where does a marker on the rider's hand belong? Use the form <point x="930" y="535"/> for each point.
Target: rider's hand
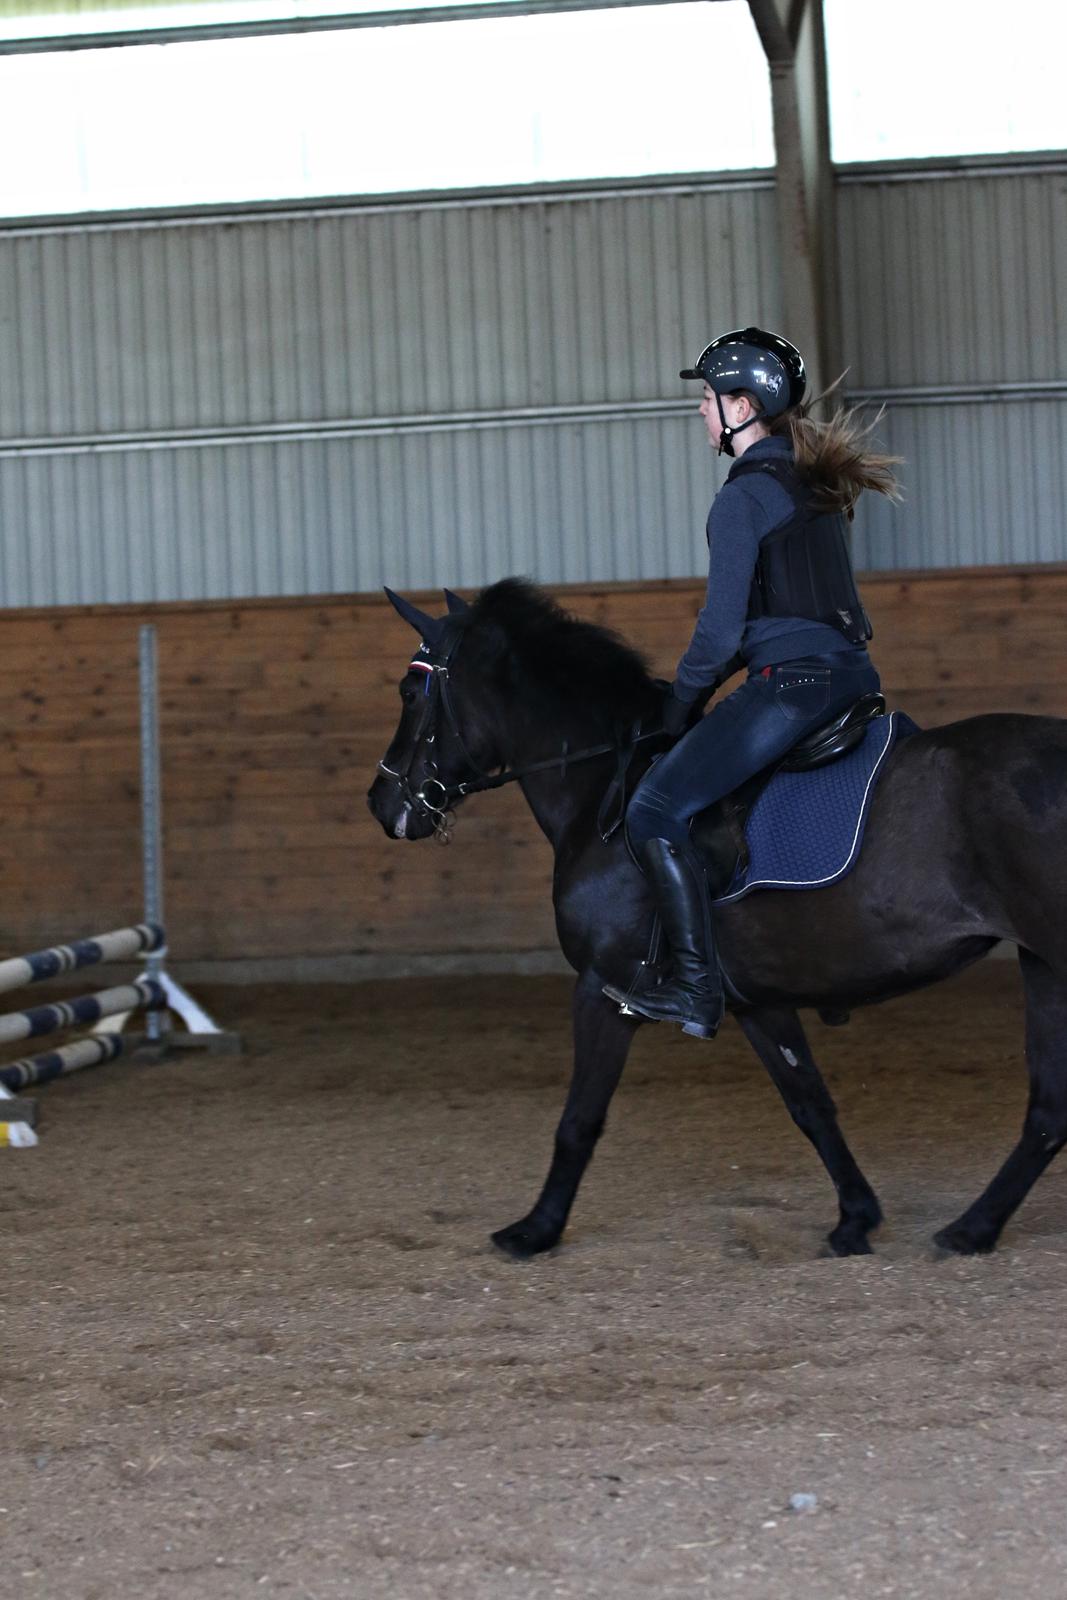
<point x="676" y="714"/>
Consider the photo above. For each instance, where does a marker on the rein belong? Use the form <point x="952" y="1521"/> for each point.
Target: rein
<point x="438" y="695"/>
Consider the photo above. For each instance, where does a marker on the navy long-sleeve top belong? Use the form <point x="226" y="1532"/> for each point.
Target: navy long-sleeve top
<point x="743" y="513"/>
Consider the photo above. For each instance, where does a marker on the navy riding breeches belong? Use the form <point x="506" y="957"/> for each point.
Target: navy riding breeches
<point x="750" y="729"/>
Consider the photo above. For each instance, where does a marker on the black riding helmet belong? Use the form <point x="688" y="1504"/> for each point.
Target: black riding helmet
<point x="763" y="364"/>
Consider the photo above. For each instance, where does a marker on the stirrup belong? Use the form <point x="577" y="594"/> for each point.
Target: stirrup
<point x="622" y="998"/>
<point x="630" y="1005"/>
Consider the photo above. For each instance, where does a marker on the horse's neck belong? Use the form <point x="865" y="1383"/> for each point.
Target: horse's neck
<point x="561" y="796"/>
<point x="561" y="803"/>
<point x="565" y="799"/>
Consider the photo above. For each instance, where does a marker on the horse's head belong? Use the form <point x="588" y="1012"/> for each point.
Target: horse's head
<point x="432" y="752"/>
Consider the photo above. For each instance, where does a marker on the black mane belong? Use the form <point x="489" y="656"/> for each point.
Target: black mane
<point x="528" y="641"/>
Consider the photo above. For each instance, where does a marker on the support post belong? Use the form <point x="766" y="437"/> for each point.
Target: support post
<point x="151" y="810"/>
<point x="201" y="1032"/>
<point x="793" y="39"/>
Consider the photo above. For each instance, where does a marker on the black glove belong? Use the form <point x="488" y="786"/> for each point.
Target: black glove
<point x="698" y="704"/>
<point x="676" y="714"/>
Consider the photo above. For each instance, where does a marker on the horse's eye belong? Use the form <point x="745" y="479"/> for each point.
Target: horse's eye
<point x="408" y="696"/>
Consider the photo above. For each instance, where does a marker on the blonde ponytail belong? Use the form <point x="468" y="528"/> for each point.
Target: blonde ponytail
<point x="833" y="457"/>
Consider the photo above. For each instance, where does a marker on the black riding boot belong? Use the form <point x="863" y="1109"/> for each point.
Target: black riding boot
<point x="692" y="995"/>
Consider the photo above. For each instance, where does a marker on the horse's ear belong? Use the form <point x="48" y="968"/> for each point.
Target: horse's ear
<point x="426" y="626"/>
<point x="456" y="603"/>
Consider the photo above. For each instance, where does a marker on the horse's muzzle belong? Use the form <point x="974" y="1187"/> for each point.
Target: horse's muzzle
<point x="398" y="818"/>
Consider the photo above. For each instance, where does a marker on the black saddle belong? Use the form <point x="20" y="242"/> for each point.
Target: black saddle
<point x="718" y="833"/>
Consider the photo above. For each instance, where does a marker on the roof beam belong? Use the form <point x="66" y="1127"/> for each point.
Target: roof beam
<point x="778" y="23"/>
<point x="792" y="35"/>
<point x="194" y="33"/>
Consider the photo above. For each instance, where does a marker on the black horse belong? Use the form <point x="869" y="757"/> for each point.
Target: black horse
<point x="965" y="845"/>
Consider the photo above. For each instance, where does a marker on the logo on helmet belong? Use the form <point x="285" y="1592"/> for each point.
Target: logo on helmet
<point x="771" y="381"/>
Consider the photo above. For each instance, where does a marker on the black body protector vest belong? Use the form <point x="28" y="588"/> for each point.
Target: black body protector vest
<point x="804" y="567"/>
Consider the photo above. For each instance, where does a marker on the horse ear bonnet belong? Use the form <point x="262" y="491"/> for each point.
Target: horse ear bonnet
<point x="456" y="604"/>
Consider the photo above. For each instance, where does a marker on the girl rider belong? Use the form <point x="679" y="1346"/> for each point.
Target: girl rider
<point x="782" y="602"/>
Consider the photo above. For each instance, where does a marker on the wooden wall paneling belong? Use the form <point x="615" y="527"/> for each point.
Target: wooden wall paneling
<point x="274" y="713"/>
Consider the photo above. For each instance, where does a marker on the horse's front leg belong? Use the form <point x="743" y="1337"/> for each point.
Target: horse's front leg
<point x="601" y="1042"/>
<point x="778" y="1039"/>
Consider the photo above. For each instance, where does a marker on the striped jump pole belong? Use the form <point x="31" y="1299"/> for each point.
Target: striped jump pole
<point x="119" y="945"/>
<point x="107" y="1004"/>
<point x="68" y="1058"/>
<point x="144" y="995"/>
<point x="155" y="993"/>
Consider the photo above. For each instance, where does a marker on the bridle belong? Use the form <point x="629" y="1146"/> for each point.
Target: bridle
<point x="436" y="805"/>
<point x="437" y="695"/>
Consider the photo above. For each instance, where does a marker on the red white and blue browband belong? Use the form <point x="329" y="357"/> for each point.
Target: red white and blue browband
<point x="422" y="666"/>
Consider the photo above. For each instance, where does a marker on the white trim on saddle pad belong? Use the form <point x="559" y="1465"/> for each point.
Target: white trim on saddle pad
<point x="890" y="728"/>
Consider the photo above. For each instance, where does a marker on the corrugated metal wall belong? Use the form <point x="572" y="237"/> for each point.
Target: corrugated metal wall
<point x="444" y="391"/>
<point x="952" y="283"/>
<point x="448" y="390"/>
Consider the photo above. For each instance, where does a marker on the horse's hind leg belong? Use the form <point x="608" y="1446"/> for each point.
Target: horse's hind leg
<point x="778" y="1039"/>
<point x="1045" y="1125"/>
<point x="602" y="1041"/>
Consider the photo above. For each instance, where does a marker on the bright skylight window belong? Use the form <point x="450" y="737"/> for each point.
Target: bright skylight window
<point x="912" y="78"/>
<point x="523" y="99"/>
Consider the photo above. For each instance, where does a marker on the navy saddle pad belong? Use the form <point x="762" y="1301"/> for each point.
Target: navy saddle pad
<point x="806" y="828"/>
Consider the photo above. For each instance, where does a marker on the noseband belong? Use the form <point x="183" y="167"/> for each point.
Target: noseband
<point x="436" y="805"/>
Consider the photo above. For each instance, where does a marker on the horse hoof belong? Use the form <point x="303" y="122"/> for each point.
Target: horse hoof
<point x="843" y="1243"/>
<point x="960" y="1241"/>
<point x="521" y="1241"/>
